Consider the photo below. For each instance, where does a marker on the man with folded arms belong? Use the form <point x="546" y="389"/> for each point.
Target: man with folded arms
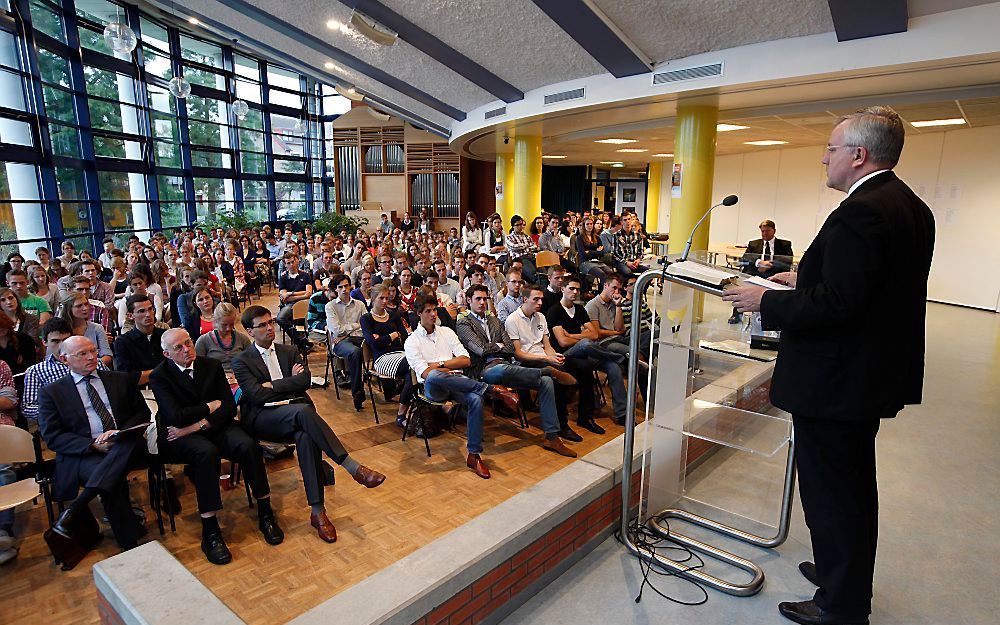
<point x="491" y="351"/>
<point x="436" y="355"/>
<point x="576" y="338"/>
<point x="195" y="426"/>
<point x="276" y="408"/>
<point x="80" y="417"/>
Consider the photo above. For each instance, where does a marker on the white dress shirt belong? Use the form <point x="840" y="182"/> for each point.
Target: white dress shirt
<point x="861" y="181"/>
<point x="422" y="348"/>
<point x="93" y="419"/>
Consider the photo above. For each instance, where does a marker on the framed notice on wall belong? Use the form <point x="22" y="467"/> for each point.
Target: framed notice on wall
<point x="675" y="180"/>
<point x="498" y="190"/>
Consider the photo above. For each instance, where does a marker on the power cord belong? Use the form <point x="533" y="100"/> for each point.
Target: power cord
<point x="644" y="538"/>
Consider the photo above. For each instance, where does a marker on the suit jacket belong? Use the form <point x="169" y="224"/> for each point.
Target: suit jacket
<point x="62" y="421"/>
<point x="134" y="352"/>
<point x="251" y="373"/>
<point x="781" y="252"/>
<point x="481" y="347"/>
<point x="182" y="401"/>
<point x="852" y="331"/>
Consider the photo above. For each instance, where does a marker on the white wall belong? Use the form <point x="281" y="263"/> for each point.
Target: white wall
<point x="639" y="205"/>
<point x="956" y="172"/>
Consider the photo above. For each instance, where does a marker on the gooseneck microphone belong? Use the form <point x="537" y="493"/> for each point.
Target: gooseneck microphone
<point x="729" y="200"/>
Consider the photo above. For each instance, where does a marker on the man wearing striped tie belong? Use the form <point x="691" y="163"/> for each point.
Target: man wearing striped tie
<point x="81" y="418"/>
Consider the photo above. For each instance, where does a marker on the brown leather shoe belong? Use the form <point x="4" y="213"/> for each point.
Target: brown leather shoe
<point x="507" y="397"/>
<point x="556" y="445"/>
<point x="476" y="463"/>
<point x="560" y="376"/>
<point x="324" y="527"/>
<point x="369" y="478"/>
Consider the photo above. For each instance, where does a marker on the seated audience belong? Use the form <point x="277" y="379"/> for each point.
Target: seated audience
<point x="17" y="349"/>
<point x="79" y="417"/>
<point x="437" y="357"/>
<point x="54" y="332"/>
<point x="491" y="352"/>
<point x="76" y="309"/>
<point x="138" y="351"/>
<point x="513" y="299"/>
<point x="343" y="325"/>
<point x="10" y="307"/>
<point x="195" y="426"/>
<point x="224" y="342"/>
<point x="8" y="404"/>
<point x="30" y="303"/>
<point x="385" y="332"/>
<point x="269" y="374"/>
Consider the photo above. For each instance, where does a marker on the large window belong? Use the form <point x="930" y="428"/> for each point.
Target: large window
<point x="100" y="145"/>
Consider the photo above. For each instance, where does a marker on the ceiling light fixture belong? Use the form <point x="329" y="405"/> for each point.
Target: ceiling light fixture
<point x="383" y="117"/>
<point x="633" y="150"/>
<point x="729" y="127"/>
<point x="616" y="141"/>
<point x="611" y="163"/>
<point x="241" y="109"/>
<point x="553" y="156"/>
<point x="664" y="155"/>
<point x="349" y="92"/>
<point x="328" y="65"/>
<point x="366" y="26"/>
<point x="193" y="20"/>
<point x="765" y="142"/>
<point x="618" y="165"/>
<point x="119" y="37"/>
<point x="955" y="121"/>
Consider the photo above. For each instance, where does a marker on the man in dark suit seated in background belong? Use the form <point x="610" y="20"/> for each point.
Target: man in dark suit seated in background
<point x="138" y="350"/>
<point x="765" y="257"/>
<point x="195" y="426"/>
<point x="79" y="417"/>
<point x="269" y="373"/>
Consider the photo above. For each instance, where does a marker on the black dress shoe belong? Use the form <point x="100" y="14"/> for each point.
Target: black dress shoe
<point x="591" y="426"/>
<point x="808" y="613"/>
<point x="570" y="435"/>
<point x="215" y="549"/>
<point x="359" y="402"/>
<point x="808" y="570"/>
<point x="269" y="528"/>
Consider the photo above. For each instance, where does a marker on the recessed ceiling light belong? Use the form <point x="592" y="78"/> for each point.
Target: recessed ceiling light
<point x="728" y="127"/>
<point x="329" y="65"/>
<point x="618" y="165"/>
<point x="553" y="156"/>
<point x="664" y="155"/>
<point x="633" y="150"/>
<point x="334" y="24"/>
<point x="610" y="162"/>
<point x="616" y="141"/>
<point x="955" y="121"/>
<point x="193" y="20"/>
<point x="765" y="142"/>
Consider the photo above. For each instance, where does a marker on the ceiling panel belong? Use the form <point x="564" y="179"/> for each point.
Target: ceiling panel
<point x="401" y="59"/>
<point x="513" y="39"/>
<point x="680" y="28"/>
<point x="305" y="55"/>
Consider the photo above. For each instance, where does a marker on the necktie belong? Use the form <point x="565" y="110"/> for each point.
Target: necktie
<point x="190" y="372"/>
<point x="767" y="250"/>
<point x="107" y="421"/>
<point x="271" y="360"/>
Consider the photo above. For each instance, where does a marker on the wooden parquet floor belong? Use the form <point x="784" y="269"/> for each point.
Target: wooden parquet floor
<point x="422" y="499"/>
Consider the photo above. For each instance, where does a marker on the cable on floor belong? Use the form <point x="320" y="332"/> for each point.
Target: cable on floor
<point x="644" y="538"/>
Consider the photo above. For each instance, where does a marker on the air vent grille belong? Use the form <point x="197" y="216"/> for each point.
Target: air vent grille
<point x="495" y="112"/>
<point x="690" y="73"/>
<point x="573" y="94"/>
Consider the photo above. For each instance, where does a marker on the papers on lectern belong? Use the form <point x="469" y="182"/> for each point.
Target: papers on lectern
<point x="703" y="274"/>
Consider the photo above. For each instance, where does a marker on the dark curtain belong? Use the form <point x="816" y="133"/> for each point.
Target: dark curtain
<point x="564" y="189"/>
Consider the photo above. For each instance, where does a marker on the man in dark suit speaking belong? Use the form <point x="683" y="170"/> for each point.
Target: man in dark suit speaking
<point x="276" y="408"/>
<point x="80" y="417"/>
<point x="765" y="257"/>
<point x="851" y="353"/>
<point x="195" y="426"/>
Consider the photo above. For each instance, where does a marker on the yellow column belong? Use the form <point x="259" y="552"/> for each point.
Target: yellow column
<point x="653" y="197"/>
<point x="694" y="151"/>
<point x="527" y="178"/>
<point x="505" y="180"/>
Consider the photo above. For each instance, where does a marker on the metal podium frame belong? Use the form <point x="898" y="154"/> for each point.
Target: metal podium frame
<point x="683" y="569"/>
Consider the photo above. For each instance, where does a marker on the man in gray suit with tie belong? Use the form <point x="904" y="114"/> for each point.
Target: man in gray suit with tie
<point x="276" y="408"/>
<point x="81" y="417"/>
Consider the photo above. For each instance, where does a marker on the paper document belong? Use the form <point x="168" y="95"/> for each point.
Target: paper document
<point x="701" y="273"/>
<point x="767" y="284"/>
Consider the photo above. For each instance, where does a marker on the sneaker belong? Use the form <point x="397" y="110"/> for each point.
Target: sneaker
<point x="6" y="540"/>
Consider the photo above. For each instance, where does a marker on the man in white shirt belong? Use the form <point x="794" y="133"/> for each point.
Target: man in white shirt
<point x="343" y="323"/>
<point x="445" y="284"/>
<point x="436" y="355"/>
<point x="529" y="331"/>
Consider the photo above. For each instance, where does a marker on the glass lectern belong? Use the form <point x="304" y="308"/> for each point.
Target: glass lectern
<point x="716" y="453"/>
